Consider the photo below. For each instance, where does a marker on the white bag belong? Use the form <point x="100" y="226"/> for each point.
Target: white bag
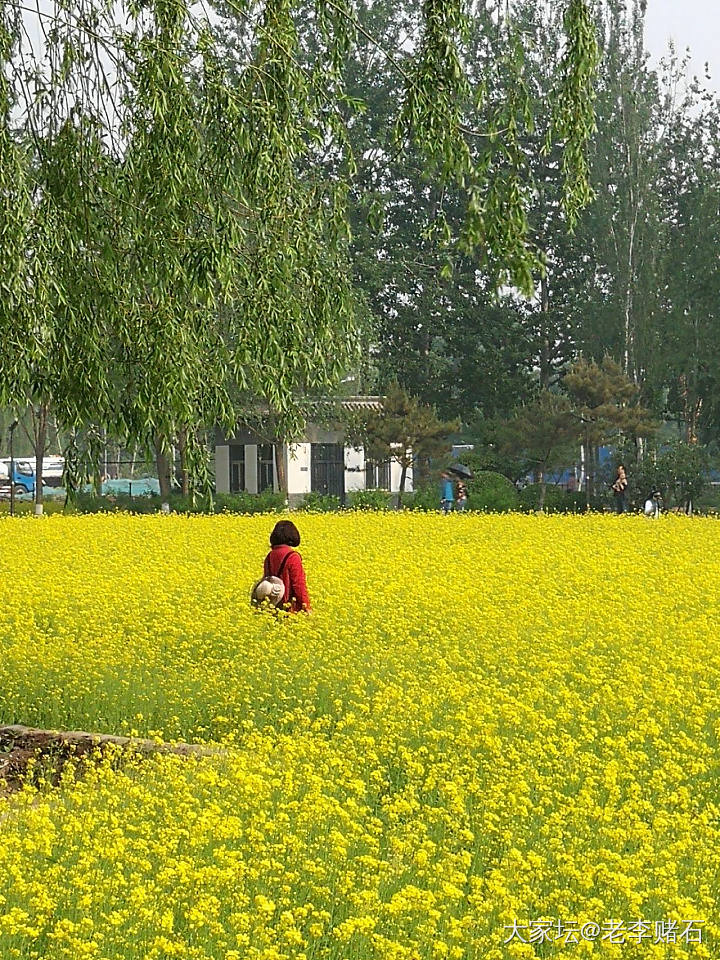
<point x="269" y="588"/>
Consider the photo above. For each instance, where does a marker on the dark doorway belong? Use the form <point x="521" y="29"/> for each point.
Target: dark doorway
<point x="265" y="464"/>
<point x="237" y="468"/>
<point x="327" y="469"/>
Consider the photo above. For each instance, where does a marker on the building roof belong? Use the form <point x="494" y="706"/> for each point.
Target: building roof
<point x="362" y="403"/>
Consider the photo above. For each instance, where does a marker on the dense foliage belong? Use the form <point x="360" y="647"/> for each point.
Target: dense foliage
<point x="172" y="243"/>
<point x="638" y="279"/>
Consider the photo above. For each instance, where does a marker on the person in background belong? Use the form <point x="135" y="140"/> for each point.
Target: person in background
<point x="652" y="504"/>
<point x="619" y="489"/>
<point x="283" y="561"/>
<point x="462" y="496"/>
<point x="447" y="495"/>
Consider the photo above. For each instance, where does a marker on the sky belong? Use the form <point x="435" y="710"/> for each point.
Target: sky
<point x="690" y="23"/>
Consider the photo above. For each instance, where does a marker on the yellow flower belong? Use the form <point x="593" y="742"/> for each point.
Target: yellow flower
<point x="482" y="724"/>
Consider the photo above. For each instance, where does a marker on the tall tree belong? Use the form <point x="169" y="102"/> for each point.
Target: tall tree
<point x="623" y="231"/>
<point x="604" y="404"/>
<point x="212" y="257"/>
<point x="688" y="366"/>
<point x="544" y="432"/>
<point x="406" y="432"/>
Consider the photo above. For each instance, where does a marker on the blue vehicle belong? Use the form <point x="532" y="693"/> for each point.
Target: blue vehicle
<point x="23" y="478"/>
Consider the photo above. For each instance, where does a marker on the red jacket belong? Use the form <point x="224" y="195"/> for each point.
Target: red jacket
<point x="293" y="576"/>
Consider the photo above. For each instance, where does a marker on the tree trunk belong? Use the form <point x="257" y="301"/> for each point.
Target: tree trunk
<point x="114" y="465"/>
<point x="546" y="346"/>
<point x="691" y="406"/>
<point x="58" y="442"/>
<point x="182" y="449"/>
<point x="278" y="451"/>
<point x="40" y="429"/>
<point x="543" y="490"/>
<point x="588" y="467"/>
<point x="163" y="466"/>
<point x="403" y="478"/>
<point x="694" y="420"/>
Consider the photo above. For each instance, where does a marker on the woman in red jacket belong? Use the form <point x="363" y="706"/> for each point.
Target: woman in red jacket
<point x="285" y="562"/>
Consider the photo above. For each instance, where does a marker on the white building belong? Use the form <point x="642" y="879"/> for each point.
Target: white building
<point x="322" y="462"/>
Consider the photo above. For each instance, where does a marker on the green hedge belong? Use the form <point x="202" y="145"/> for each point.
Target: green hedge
<point x="319" y="503"/>
<point x="265" y="502"/>
<point x="426" y="498"/>
<point x="487" y="491"/>
<point x="370" y="500"/>
<point x="557" y="500"/>
<point x="492" y="492"/>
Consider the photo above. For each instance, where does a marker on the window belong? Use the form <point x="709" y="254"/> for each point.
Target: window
<point x="377" y="474"/>
<point x="237" y="468"/>
<point x="327" y="469"/>
<point x="265" y="463"/>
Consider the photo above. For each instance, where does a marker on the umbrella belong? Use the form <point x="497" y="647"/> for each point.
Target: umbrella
<point x="461" y="471"/>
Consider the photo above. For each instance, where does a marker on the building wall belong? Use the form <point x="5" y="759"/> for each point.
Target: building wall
<point x="354" y="469"/>
<point x="316" y="434"/>
<point x="395" y="472"/>
<point x="222" y="469"/>
<point x="297" y="459"/>
<point x="251" y="477"/>
<point x="298" y="465"/>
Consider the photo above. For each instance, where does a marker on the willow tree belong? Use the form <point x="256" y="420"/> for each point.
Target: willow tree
<point x="168" y="240"/>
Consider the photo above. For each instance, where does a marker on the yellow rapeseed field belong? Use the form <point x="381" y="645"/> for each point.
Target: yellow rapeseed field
<point x="495" y="737"/>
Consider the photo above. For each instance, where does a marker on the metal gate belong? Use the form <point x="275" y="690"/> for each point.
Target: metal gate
<point x="265" y="465"/>
<point x="327" y="469"/>
<point x="237" y="468"/>
<point x="377" y="475"/>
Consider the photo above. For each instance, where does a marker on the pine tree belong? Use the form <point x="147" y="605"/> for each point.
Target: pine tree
<point x="406" y="431"/>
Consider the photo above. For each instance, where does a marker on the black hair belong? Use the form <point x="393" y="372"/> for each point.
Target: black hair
<point x="285" y="532"/>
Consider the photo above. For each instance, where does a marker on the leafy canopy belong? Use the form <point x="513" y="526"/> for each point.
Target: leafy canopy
<point x="169" y="241"/>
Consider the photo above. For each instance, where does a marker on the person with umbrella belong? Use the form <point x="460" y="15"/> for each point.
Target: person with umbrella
<point x="447" y="497"/>
<point x="463" y="473"/>
<point x="462" y="496"/>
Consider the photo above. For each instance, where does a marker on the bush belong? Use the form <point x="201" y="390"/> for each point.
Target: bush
<point x="265" y="502"/>
<point x="319" y="503"/>
<point x="557" y="500"/>
<point x="370" y="500"/>
<point x="486" y="459"/>
<point x="491" y="491"/>
<point x="679" y="470"/>
<point x="709" y="501"/>
<point x="90" y="503"/>
<point x="486" y="491"/>
<point x="426" y="498"/>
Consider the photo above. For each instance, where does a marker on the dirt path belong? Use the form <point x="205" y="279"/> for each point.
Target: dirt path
<point x="53" y="749"/>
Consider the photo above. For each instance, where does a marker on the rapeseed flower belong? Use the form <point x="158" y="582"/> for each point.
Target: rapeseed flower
<point x="486" y="722"/>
